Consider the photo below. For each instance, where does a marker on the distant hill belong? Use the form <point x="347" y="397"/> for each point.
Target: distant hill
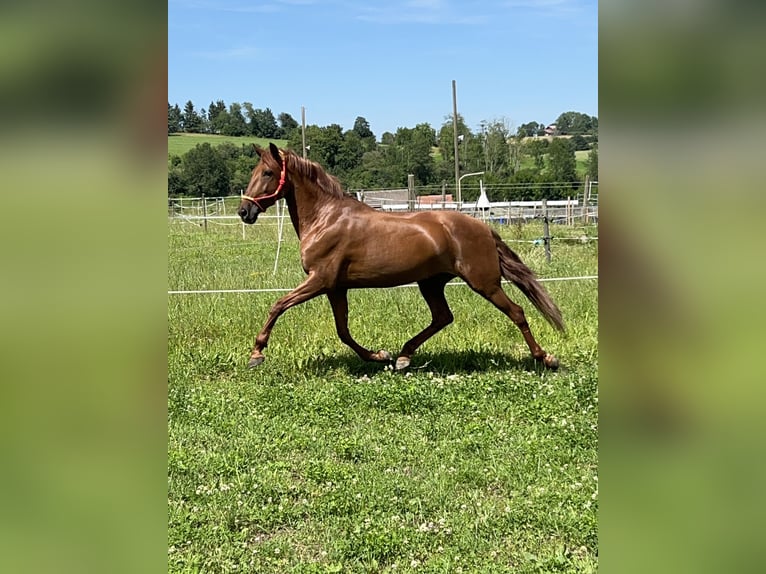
<point x="179" y="144"/>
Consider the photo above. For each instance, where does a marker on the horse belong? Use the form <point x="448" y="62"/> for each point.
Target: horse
<point x="347" y="244"/>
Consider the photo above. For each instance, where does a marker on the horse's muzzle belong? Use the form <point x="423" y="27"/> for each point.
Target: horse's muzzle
<point x="248" y="212"/>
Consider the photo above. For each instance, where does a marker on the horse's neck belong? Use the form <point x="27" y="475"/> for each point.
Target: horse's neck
<point x="305" y="205"/>
<point x="292" y="209"/>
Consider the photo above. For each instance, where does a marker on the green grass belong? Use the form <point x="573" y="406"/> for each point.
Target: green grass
<point x="179" y="144"/>
<point x="475" y="460"/>
<point x="581" y="162"/>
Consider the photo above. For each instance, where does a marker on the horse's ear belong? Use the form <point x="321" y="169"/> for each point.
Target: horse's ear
<point x="275" y="153"/>
<point x="257" y="149"/>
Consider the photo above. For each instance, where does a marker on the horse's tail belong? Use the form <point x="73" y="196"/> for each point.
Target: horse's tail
<point x="514" y="270"/>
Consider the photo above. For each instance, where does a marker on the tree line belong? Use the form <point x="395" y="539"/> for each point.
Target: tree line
<point x="362" y="161"/>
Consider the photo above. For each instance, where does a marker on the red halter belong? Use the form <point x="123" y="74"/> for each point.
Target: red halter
<point x="271" y="195"/>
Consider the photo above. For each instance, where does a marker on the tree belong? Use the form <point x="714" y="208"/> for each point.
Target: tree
<point x="362" y="128"/>
<point x="240" y="163"/>
<point x="446" y="138"/>
<point x="530" y="129"/>
<point x="350" y="153"/>
<point x="323" y="145"/>
<point x="395" y="162"/>
<point x="217" y="116"/>
<point x="592" y="164"/>
<point x="536" y="148"/>
<point x="176" y="182"/>
<point x="326" y="147"/>
<point x="561" y="161"/>
<point x="515" y="151"/>
<point x="295" y="139"/>
<point x="579" y="142"/>
<point x="286" y="124"/>
<point x="264" y="124"/>
<point x="175" y="119"/>
<point x="495" y="137"/>
<point x="205" y="172"/>
<point x="235" y="124"/>
<point x="192" y="122"/>
<point x="249" y="117"/>
<point x="420" y="163"/>
<point x="372" y="171"/>
<point x="570" y="123"/>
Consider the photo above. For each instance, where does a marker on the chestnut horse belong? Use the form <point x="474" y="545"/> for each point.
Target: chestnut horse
<point x="346" y="244"/>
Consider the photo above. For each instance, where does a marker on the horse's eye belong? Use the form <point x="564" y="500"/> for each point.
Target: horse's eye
<point x="267" y="173"/>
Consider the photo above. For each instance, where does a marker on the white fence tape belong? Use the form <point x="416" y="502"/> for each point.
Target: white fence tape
<point x="284" y="290"/>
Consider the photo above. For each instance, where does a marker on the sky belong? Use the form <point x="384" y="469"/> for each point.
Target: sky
<point x="391" y="62"/>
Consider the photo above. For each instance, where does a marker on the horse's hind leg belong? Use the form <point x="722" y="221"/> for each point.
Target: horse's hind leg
<point x="339" y="303"/>
<point x="432" y="290"/>
<point x="499" y="299"/>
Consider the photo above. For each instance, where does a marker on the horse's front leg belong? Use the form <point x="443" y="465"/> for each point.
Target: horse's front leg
<point x="309" y="289"/>
<point x="339" y="303"/>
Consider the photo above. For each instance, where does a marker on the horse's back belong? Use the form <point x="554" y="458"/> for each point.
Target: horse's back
<point x="461" y="227"/>
<point x="368" y="248"/>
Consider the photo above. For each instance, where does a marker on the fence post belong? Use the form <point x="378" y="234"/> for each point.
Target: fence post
<point x="586" y="198"/>
<point x="411" y="192"/>
<point x="204" y="211"/>
<point x="546" y="232"/>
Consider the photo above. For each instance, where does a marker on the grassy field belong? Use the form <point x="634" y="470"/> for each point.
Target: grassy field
<point x="315" y="462"/>
<point x="581" y="161"/>
<point x="179" y="144"/>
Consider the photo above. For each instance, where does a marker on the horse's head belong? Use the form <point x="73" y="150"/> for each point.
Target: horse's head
<point x="267" y="184"/>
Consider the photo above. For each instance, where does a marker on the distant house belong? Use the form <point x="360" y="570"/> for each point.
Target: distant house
<point x="551" y="130"/>
<point x="431" y="199"/>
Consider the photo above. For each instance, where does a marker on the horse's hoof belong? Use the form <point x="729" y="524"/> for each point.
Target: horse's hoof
<point x="255" y="361"/>
<point x="382" y="356"/>
<point x="551" y="362"/>
<point x="402" y="363"/>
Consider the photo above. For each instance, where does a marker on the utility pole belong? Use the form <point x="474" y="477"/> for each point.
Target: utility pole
<point x="454" y="136"/>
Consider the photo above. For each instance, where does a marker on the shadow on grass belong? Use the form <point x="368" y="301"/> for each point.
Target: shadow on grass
<point x="441" y="362"/>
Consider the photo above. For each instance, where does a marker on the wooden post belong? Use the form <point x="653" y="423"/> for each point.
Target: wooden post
<point x="204" y="211"/>
<point x="546" y="232"/>
<point x="586" y="198"/>
<point x="411" y="192"/>
<point x="444" y="193"/>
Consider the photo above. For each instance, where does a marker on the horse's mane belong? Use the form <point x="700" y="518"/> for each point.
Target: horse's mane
<point x="313" y="172"/>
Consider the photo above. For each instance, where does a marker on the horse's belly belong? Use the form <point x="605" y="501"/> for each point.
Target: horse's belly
<point x="392" y="271"/>
<point x="385" y="255"/>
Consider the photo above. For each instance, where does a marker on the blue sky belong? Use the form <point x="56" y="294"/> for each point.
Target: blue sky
<point x="389" y="61"/>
